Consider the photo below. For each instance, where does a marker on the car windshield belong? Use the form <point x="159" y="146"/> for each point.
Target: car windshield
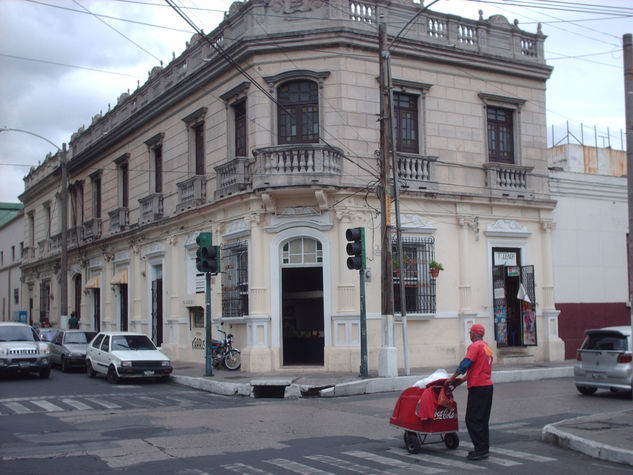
<point x="132" y="342"/>
<point x="607" y="341"/>
<point x="78" y="337"/>
<point x="47" y="335"/>
<point x="16" y="333"/>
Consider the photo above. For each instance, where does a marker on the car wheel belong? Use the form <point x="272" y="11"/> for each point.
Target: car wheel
<point x="63" y="365"/>
<point x="586" y="390"/>
<point x="45" y="373"/>
<point x="113" y="378"/>
<point x="91" y="372"/>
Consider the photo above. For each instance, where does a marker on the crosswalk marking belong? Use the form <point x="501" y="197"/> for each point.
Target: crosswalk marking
<point x="296" y="467"/>
<point x="516" y="454"/>
<point x="244" y="469"/>
<point x="394" y="463"/>
<point x="46" y="405"/>
<point x="17" y="407"/>
<point x="344" y="464"/>
<point x="80" y="406"/>
<point x="492" y="459"/>
<point x="103" y="403"/>
<point x="438" y="460"/>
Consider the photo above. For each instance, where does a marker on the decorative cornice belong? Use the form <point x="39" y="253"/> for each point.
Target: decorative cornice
<point x="507" y="228"/>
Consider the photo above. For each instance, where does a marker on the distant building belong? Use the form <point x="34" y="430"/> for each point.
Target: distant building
<point x="589" y="240"/>
<point x="278" y="165"/>
<point x="11" y="246"/>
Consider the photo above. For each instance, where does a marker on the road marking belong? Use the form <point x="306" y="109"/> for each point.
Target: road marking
<point x="178" y="399"/>
<point x="392" y="462"/>
<point x="296" y="467"/>
<point x="80" y="406"/>
<point x="244" y="469"/>
<point x="106" y="404"/>
<point x="151" y="400"/>
<point x="517" y="454"/>
<point x="344" y="464"/>
<point x="492" y="459"/>
<point x="17" y="407"/>
<point x="438" y="460"/>
<point x="48" y="406"/>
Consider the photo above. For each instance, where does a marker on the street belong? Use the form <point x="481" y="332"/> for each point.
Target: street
<point x="72" y="424"/>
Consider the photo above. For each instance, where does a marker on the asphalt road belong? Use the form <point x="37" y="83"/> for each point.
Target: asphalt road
<point x="72" y="424"/>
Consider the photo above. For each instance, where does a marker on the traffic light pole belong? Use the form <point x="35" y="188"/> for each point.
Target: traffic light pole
<point x="363" y="327"/>
<point x="208" y="362"/>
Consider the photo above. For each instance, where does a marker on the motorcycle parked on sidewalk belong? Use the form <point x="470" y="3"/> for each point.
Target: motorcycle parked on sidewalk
<point x="222" y="352"/>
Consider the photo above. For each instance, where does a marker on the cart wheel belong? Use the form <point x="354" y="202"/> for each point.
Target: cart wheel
<point x="451" y="440"/>
<point x="412" y="442"/>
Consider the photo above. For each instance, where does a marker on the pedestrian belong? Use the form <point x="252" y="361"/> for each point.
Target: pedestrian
<point x="73" y="321"/>
<point x="478" y="367"/>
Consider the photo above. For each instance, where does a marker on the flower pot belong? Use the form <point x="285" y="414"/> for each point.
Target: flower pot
<point x="435" y="272"/>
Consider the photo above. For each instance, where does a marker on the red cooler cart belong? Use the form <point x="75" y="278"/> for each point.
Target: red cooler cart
<point x="411" y="415"/>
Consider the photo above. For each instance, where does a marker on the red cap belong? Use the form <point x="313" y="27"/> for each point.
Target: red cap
<point x="478" y="329"/>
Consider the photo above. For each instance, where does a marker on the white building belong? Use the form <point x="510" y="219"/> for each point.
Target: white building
<point x="11" y="244"/>
<point x="589" y="240"/>
<point x="277" y="165"/>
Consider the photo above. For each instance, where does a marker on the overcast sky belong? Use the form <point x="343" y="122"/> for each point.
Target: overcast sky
<point x="60" y="64"/>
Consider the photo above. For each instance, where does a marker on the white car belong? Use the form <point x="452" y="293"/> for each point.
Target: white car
<point x="119" y="355"/>
<point x="21" y="350"/>
<point x="604" y="360"/>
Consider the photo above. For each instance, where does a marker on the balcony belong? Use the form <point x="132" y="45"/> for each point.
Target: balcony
<point x="75" y="236"/>
<point x="507" y="180"/>
<point x="92" y="229"/>
<point x="119" y="220"/>
<point x="297" y="165"/>
<point x="416" y="172"/>
<point x="192" y="192"/>
<point x="151" y="208"/>
<point x="233" y="177"/>
<point x="55" y="244"/>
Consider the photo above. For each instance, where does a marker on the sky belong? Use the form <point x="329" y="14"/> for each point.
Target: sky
<point x="64" y="61"/>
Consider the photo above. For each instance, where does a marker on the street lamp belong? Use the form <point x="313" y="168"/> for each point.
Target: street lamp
<point x="64" y="196"/>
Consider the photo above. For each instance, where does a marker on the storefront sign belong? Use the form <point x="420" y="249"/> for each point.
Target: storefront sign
<point x="505" y="258"/>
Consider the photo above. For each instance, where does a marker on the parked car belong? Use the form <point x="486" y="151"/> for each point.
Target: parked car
<point x="120" y="355"/>
<point x="47" y="334"/>
<point x="68" y="348"/>
<point x="21" y="350"/>
<point x="604" y="360"/>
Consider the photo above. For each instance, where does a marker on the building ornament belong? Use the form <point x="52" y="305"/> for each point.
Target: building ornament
<point x="506" y="228"/>
<point x="415" y="224"/>
<point x="295" y="6"/>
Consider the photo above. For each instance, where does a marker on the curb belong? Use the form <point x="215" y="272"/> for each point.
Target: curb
<point x="555" y="436"/>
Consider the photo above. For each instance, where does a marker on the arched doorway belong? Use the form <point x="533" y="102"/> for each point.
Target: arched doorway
<point x="302" y="304"/>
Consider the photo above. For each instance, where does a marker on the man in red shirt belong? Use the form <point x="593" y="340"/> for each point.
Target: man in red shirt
<point x="478" y="366"/>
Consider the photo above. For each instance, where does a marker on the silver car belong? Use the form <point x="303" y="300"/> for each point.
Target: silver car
<point x="68" y="348"/>
<point x="603" y="361"/>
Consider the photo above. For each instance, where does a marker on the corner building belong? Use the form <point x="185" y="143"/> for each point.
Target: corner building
<point x="201" y="147"/>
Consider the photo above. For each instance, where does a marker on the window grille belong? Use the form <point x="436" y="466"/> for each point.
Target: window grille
<point x="234" y="258"/>
<point x="419" y="286"/>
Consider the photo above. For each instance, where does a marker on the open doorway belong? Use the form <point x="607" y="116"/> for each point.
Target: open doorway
<point x="302" y="315"/>
<point x="513" y="298"/>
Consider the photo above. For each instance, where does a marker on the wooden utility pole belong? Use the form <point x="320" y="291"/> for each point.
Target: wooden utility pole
<point x="388" y="358"/>
<point x="627" y="50"/>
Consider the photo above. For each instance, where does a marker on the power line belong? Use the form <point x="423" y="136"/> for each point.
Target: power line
<point x="72" y="66"/>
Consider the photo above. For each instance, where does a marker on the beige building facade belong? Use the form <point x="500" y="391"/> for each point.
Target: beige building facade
<point x="279" y="161"/>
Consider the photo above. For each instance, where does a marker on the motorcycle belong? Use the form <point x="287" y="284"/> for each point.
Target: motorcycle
<point x="222" y="352"/>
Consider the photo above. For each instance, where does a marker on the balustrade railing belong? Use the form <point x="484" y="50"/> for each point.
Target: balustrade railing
<point x="416" y="171"/>
<point x="192" y="192"/>
<point x="151" y="208"/>
<point x="233" y="177"/>
<point x="508" y="180"/>
<point x="92" y="229"/>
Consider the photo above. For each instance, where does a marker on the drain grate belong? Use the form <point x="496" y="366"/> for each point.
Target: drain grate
<point x="269" y="391"/>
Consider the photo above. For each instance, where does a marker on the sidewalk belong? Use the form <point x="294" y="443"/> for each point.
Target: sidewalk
<point x="603" y="436"/>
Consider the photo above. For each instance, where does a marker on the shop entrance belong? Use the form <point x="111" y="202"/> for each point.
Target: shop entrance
<point x="513" y="297"/>
<point x="302" y="315"/>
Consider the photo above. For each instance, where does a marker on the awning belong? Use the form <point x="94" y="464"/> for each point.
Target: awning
<point x="93" y="283"/>
<point x="119" y="278"/>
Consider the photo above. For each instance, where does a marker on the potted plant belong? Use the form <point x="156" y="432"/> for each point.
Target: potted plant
<point x="435" y="268"/>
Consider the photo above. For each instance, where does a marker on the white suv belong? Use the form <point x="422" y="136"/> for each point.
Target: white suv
<point x="21" y="350"/>
<point x="126" y="355"/>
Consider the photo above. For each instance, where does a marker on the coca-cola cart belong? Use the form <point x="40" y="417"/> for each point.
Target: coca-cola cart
<point x="406" y="415"/>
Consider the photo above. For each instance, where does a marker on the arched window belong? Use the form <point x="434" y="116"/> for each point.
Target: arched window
<point x="298" y="112"/>
<point x="301" y="251"/>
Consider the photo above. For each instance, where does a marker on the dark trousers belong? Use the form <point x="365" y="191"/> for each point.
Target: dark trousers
<point x="478" y="415"/>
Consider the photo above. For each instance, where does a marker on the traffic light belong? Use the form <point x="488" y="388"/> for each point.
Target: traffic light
<point x="355" y="248"/>
<point x="207" y="256"/>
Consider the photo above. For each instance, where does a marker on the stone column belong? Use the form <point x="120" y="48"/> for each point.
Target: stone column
<point x="554" y="347"/>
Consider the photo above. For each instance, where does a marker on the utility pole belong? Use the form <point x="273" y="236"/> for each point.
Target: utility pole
<point x="388" y="357"/>
<point x="64" y="244"/>
<point x="627" y="44"/>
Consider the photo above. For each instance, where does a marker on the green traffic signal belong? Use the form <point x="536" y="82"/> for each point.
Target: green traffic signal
<point x="355" y="248"/>
<point x="207" y="255"/>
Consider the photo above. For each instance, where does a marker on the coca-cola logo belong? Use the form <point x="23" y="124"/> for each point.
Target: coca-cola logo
<point x="447" y="413"/>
